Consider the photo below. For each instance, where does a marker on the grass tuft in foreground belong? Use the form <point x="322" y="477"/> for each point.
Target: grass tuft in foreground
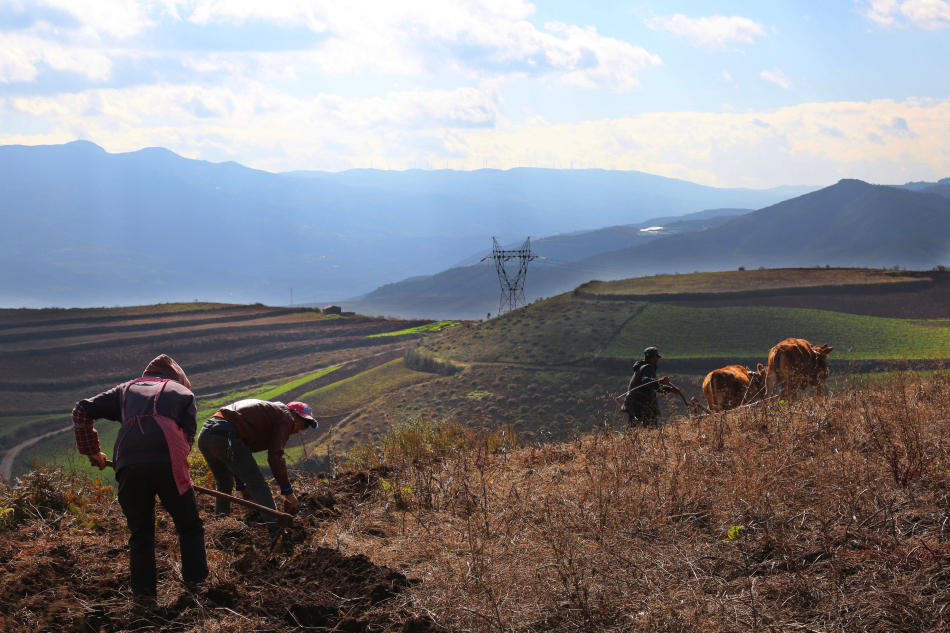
<point x="419" y="440"/>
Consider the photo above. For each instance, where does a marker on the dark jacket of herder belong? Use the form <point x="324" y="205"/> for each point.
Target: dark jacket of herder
<point x="643" y="386"/>
<point x="144" y="441"/>
<point x="263" y="426"/>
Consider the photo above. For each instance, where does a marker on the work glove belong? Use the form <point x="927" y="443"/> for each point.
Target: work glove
<point x="98" y="460"/>
<point x="291" y="505"/>
<point x="665" y="380"/>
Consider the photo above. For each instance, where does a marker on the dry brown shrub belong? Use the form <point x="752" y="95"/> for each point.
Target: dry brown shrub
<point x="817" y="514"/>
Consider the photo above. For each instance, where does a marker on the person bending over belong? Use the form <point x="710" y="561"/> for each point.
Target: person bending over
<point x="150" y="458"/>
<point x="229" y="440"/>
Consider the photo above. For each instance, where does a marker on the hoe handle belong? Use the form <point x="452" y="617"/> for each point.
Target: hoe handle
<point x="283" y="519"/>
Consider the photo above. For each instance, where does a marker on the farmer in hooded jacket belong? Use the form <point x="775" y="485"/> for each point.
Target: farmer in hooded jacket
<point x="229" y="440"/>
<point x="641" y="402"/>
<point x="158" y="417"/>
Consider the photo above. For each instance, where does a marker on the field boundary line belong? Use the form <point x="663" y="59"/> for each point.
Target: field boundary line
<point x="6" y="466"/>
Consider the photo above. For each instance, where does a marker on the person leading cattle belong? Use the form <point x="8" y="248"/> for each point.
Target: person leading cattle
<point x="229" y="440"/>
<point x="158" y="416"/>
<point x="641" y="403"/>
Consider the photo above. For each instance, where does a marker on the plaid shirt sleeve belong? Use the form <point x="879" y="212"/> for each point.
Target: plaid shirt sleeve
<point x="87" y="438"/>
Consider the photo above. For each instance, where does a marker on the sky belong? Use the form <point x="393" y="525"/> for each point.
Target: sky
<point x="721" y="93"/>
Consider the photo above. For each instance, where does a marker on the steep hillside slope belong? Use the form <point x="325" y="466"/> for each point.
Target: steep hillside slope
<point x="851" y="223"/>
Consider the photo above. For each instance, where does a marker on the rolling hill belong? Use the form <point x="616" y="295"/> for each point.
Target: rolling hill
<point x="848" y="224"/>
<point x="546" y="371"/>
<point x="851" y="223"/>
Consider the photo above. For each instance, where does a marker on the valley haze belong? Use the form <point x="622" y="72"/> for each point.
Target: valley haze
<point x="84" y="227"/>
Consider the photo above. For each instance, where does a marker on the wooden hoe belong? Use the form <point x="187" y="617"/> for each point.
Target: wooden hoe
<point x="283" y="519"/>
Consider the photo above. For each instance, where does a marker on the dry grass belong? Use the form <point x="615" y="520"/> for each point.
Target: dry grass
<point x="827" y="514"/>
<point x="822" y="514"/>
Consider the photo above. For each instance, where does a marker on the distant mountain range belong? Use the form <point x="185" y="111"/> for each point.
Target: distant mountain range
<point x="927" y="187"/>
<point x="851" y="223"/>
<point x="83" y="227"/>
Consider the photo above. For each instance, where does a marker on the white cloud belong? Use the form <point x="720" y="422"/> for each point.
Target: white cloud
<point x="475" y="38"/>
<point x="930" y="15"/>
<point x="714" y="32"/>
<point x="116" y="18"/>
<point x="22" y="55"/>
<point x="816" y="143"/>
<point x="777" y="77"/>
<point x="479" y="39"/>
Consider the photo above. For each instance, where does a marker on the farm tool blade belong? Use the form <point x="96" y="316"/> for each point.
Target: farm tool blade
<point x="283" y="519"/>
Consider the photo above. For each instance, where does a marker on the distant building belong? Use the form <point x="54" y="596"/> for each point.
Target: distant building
<point x="332" y="310"/>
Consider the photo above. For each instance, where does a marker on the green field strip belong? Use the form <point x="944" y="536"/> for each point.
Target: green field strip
<point x="349" y="394"/>
<point x="273" y="393"/>
<point x="10" y="424"/>
<point x="751" y="332"/>
<point x="422" y="329"/>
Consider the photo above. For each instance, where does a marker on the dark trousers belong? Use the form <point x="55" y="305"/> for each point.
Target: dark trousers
<point x="138" y="486"/>
<point x="227" y="455"/>
<point x="643" y="413"/>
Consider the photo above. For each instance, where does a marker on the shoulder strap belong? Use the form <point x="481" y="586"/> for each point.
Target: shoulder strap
<point x="143" y="379"/>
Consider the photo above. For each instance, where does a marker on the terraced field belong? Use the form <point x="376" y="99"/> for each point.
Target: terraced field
<point x="749" y="332"/>
<point x="773" y="281"/>
<point x="546" y="372"/>
<point x="49" y="359"/>
<point x="346" y="396"/>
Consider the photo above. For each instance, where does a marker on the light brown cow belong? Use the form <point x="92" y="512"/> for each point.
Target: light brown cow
<point x="795" y="364"/>
<point x="733" y="386"/>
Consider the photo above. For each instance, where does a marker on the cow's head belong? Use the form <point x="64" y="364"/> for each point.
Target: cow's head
<point x="756" y="383"/>
<point x="822" y="352"/>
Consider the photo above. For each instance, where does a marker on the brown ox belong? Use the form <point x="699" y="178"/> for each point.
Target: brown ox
<point x="733" y="386"/>
<point x="795" y="364"/>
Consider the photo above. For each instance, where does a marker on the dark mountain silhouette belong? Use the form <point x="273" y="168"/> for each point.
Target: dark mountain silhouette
<point x="86" y="227"/>
<point x="939" y="189"/>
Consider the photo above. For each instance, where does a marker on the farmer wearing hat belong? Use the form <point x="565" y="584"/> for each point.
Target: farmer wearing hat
<point x="641" y="403"/>
<point x="158" y="416"/>
<point x="229" y="440"/>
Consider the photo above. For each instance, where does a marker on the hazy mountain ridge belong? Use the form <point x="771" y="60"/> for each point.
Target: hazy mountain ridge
<point x="851" y="223"/>
<point x="921" y="185"/>
<point x="86" y="227"/>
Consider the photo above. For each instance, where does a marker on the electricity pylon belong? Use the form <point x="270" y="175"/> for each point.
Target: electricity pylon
<point x="512" y="285"/>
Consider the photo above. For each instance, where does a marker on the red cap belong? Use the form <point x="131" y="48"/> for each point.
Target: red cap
<point x="303" y="410"/>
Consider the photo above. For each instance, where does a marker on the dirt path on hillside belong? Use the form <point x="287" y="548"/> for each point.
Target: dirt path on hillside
<point x="6" y="466"/>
